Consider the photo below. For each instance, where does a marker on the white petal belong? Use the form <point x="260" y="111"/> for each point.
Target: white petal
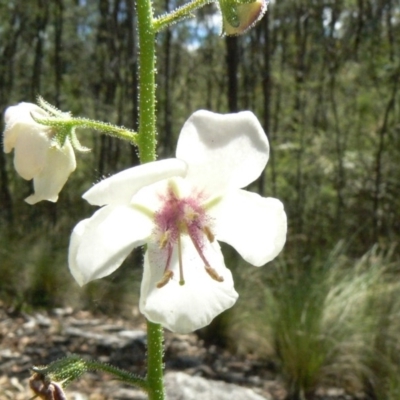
<point x="255" y="226"/>
<point x="119" y="188"/>
<point x="223" y="151"/>
<point x="18" y="119"/>
<point x="59" y="164"/>
<point x="101" y="243"/>
<point x="31" y="147"/>
<point x="185" y="308"/>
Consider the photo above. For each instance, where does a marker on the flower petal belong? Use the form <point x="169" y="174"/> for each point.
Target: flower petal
<point x="17" y="120"/>
<point x="59" y="164"/>
<point x="31" y="146"/>
<point x="255" y="226"/>
<point x="223" y="151"/>
<point x="101" y="243"/>
<point x="119" y="188"/>
<point x="185" y="308"/>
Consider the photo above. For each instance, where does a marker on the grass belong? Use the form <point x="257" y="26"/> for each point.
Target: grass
<point x="335" y="323"/>
<point x="34" y="274"/>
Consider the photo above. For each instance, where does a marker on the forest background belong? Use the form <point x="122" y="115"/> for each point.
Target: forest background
<point x="323" y="78"/>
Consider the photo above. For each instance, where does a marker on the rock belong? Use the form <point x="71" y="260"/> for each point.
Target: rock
<point x="181" y="386"/>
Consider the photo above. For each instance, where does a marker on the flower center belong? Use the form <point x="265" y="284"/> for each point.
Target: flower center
<point x="182" y="216"/>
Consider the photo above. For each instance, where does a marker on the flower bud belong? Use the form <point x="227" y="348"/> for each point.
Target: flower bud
<point x="63" y="371"/>
<point x="47" y="382"/>
<point x="238" y="16"/>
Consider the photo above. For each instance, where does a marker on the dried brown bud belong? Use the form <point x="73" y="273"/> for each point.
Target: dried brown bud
<point x="45" y="389"/>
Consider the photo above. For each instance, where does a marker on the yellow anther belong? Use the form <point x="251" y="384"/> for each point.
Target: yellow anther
<point x="164" y="239"/>
<point x="168" y="274"/>
<point x="192" y="215"/>
<point x="213" y="273"/>
<point x="209" y="234"/>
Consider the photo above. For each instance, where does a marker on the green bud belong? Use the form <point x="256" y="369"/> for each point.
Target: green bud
<point x="240" y="15"/>
<point x="62" y="371"/>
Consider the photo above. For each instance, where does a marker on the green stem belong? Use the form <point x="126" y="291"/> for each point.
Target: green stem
<point x="123" y="376"/>
<point x="155" y="369"/>
<point x="147" y="87"/>
<point x="147" y="153"/>
<point x="180" y="13"/>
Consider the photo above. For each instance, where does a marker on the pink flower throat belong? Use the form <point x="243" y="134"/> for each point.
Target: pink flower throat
<point x="182" y="216"/>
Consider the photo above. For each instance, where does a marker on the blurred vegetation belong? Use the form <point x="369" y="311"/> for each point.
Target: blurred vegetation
<point x="323" y="78"/>
<point x="334" y="323"/>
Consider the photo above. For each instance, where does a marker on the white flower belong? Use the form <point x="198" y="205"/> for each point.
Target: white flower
<point x="37" y="156"/>
<point x="181" y="208"/>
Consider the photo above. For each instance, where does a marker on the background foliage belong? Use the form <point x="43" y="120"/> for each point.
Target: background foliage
<point x="323" y="78"/>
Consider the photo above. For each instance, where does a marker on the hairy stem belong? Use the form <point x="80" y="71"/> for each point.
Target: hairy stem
<point x="147" y="101"/>
<point x="147" y="146"/>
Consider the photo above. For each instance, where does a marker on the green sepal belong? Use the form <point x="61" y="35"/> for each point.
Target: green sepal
<point x="54" y="111"/>
<point x="76" y="144"/>
<point x="229" y="12"/>
<point x="63" y="129"/>
<point x="60" y="127"/>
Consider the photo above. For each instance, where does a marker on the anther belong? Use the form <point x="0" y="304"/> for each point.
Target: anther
<point x="213" y="273"/>
<point x="168" y="274"/>
<point x="164" y="239"/>
<point x="208" y="233"/>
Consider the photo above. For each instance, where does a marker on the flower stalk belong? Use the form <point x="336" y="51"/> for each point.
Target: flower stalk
<point x="179" y="14"/>
<point x="70" y="123"/>
<point x="66" y="370"/>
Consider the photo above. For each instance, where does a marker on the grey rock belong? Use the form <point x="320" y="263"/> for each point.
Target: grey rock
<point x="181" y="386"/>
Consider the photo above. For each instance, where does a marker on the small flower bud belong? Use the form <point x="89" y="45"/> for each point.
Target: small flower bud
<point x="238" y="16"/>
<point x="47" y="381"/>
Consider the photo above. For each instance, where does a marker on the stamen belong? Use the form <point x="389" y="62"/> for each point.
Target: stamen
<point x="181" y="278"/>
<point x="198" y="249"/>
<point x="168" y="274"/>
<point x="164" y="239"/>
<point x="213" y="273"/>
<point x="209" y="234"/>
